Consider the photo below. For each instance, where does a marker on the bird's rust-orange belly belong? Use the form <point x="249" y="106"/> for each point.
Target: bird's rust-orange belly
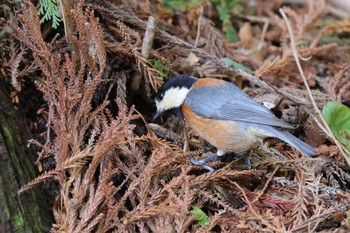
<point x="228" y="136"/>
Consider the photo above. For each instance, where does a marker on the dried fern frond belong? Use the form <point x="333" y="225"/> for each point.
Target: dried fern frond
<point x="300" y="23"/>
<point x="300" y="212"/>
<point x="111" y="180"/>
<point x="276" y="65"/>
<point x="91" y="39"/>
<point x="152" y="75"/>
<point x="339" y="84"/>
<point x="16" y="58"/>
<point x="39" y="179"/>
<point x="214" y="39"/>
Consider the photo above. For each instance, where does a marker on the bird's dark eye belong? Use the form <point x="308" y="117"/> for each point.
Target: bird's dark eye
<point x="161" y="95"/>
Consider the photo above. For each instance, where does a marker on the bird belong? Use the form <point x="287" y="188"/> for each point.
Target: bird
<point x="224" y="115"/>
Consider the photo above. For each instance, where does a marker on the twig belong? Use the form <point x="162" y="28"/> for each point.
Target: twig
<point x="319" y="123"/>
<point x="199" y="26"/>
<point x="170" y="135"/>
<point x="297" y="61"/>
<point x="266" y="185"/>
<point x="147" y="42"/>
<point x="68" y="23"/>
<point x="48" y="133"/>
<point x="164" y="132"/>
<point x="266" y="22"/>
<point x="312" y="219"/>
<point x="291" y="97"/>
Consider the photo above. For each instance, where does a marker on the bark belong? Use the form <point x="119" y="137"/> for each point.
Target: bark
<point x="27" y="212"/>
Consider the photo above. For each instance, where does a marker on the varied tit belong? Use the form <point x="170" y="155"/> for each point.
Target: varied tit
<point x="223" y="115"/>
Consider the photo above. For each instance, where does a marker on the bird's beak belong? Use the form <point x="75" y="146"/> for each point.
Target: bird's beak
<point x="157" y="114"/>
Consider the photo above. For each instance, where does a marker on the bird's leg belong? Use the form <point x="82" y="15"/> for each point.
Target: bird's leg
<point x="244" y="156"/>
<point x="202" y="162"/>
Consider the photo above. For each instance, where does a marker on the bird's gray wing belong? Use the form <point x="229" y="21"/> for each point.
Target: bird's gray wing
<point x="228" y="102"/>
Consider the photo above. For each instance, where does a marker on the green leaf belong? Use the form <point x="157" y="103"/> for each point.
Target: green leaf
<point x="337" y="117"/>
<point x="225" y="17"/>
<point x="201" y="217"/>
<point x="159" y="66"/>
<point x="177" y="4"/>
<point x="230" y="62"/>
<point x="328" y="40"/>
<point x="230" y="32"/>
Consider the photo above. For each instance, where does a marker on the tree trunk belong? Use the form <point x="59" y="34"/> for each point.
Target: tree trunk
<point x="27" y="212"/>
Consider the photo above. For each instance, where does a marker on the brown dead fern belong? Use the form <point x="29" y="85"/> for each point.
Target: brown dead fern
<point x="300" y="23"/>
<point x="69" y="88"/>
<point x="110" y="180"/>
<point x="339" y="84"/>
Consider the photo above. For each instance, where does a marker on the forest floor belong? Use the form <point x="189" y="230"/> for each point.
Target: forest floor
<point x="88" y="87"/>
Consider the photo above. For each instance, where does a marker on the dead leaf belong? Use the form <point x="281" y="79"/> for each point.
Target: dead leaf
<point x="192" y="59"/>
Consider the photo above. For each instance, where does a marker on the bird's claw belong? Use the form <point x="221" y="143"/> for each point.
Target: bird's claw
<point x="202" y="162"/>
<point x="244" y="156"/>
<point x="197" y="162"/>
<point x="210" y="169"/>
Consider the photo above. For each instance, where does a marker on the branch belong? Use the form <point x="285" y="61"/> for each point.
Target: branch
<point x="147" y="42"/>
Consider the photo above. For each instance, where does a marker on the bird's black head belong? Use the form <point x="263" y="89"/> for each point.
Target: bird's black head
<point x="173" y="93"/>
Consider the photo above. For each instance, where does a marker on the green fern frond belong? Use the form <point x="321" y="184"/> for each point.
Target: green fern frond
<point x="49" y="11"/>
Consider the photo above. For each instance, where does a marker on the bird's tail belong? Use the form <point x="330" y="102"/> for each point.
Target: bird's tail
<point x="287" y="137"/>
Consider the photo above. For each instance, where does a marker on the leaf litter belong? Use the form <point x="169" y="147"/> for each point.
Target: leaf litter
<point x="112" y="172"/>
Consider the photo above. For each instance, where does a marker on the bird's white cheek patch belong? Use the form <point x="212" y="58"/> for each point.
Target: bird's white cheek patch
<point x="173" y="98"/>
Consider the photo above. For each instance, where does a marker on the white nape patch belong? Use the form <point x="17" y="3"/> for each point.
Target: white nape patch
<point x="269" y="105"/>
<point x="173" y="98"/>
<point x="220" y="152"/>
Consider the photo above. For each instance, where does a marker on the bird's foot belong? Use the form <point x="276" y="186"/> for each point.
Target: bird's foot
<point x="202" y="162"/>
<point x="244" y="156"/>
